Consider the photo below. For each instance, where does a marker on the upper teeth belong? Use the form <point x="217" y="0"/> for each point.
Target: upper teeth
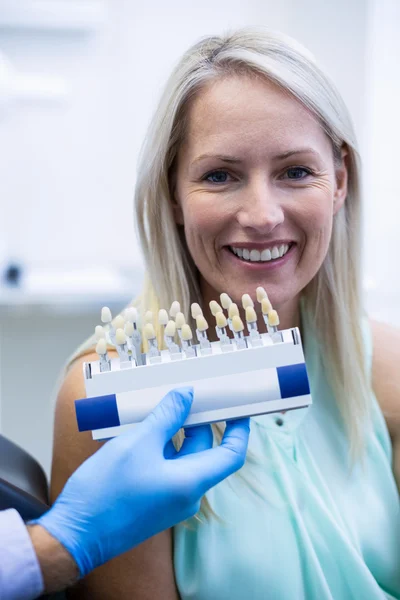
<point x="263" y="255"/>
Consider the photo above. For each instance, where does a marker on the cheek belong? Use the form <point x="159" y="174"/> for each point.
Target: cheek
<point x="316" y="217"/>
<point x="203" y="219"/>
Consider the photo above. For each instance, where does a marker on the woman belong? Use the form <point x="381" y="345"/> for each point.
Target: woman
<point x="250" y="177"/>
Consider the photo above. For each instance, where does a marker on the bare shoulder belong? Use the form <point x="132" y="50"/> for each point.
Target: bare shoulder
<point x="386" y="373"/>
<point x="143" y="573"/>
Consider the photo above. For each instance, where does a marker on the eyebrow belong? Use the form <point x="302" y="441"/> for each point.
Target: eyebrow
<point x="234" y="159"/>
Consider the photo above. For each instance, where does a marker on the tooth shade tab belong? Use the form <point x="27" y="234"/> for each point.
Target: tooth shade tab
<point x="225" y="300"/>
<point x="233" y="310"/>
<point x="261" y="293"/>
<point x="266" y="306"/>
<point x="251" y="316"/>
<point x="106" y="315"/>
<point x="195" y="310"/>
<point x="273" y="318"/>
<point x="120" y="337"/>
<point x="148" y="317"/>
<point x="131" y="314"/>
<point x="221" y="320"/>
<point x="99" y="332"/>
<point x="129" y="328"/>
<point x="101" y="347"/>
<point x="247" y="301"/>
<point x="180" y="320"/>
<point x="187" y="334"/>
<point x="149" y="332"/>
<point x="170" y="329"/>
<point x="119" y="322"/>
<point x="201" y="323"/>
<point x="162" y="316"/>
<point x="215" y="307"/>
<point x="175" y="308"/>
<point x="237" y="324"/>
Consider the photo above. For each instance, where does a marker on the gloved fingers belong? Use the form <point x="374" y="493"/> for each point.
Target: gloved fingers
<point x="212" y="466"/>
<point x="197" y="439"/>
<point x="169" y="450"/>
<point x="170" y="414"/>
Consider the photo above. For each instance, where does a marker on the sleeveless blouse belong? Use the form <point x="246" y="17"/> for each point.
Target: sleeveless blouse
<point x="299" y="524"/>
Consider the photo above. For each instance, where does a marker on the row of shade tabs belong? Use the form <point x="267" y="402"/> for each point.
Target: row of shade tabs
<point x="124" y="333"/>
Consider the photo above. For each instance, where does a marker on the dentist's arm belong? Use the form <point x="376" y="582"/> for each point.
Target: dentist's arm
<point x="133" y="487"/>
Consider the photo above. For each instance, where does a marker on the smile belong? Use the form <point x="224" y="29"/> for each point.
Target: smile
<point x="264" y="255"/>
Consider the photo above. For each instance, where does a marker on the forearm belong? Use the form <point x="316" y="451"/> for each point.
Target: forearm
<point x="58" y="568"/>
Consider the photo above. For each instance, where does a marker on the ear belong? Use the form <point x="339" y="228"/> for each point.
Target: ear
<point x="176" y="205"/>
<point x="341" y="177"/>
<point x="177" y="211"/>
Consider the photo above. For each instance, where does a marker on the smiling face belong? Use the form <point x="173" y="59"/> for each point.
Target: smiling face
<point x="256" y="190"/>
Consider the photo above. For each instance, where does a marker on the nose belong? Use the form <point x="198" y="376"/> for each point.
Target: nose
<point x="261" y="209"/>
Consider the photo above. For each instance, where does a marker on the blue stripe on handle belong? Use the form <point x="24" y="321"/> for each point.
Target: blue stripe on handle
<point x="293" y="380"/>
<point x="96" y="413"/>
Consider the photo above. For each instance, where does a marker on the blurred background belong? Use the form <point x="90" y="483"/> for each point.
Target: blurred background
<point x="79" y="80"/>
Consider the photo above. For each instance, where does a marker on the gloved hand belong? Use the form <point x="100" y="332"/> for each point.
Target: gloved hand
<point x="137" y="484"/>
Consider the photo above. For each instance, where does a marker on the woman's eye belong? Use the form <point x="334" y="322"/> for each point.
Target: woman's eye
<point x="297" y="172"/>
<point x="217" y="177"/>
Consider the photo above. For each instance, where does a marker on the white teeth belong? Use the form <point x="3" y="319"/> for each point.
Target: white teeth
<point x="255" y="255"/>
<point x="263" y="256"/>
<point x="266" y="255"/>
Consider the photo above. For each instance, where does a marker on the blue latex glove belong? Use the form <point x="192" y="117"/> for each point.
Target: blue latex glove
<point x="137" y="485"/>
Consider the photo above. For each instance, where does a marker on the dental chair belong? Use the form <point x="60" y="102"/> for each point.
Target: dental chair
<point x="23" y="486"/>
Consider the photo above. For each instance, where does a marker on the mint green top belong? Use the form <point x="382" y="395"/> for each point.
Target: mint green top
<point x="312" y="531"/>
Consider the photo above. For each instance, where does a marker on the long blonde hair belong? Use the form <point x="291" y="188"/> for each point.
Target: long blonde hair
<point x="333" y="297"/>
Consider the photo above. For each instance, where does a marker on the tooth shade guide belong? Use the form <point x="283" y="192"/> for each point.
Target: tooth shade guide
<point x="148" y="332"/>
<point x="251" y="316"/>
<point x="273" y="318"/>
<point x="237" y="328"/>
<point x="201" y="323"/>
<point x="195" y="310"/>
<point x="266" y="306"/>
<point x="226" y="300"/>
<point x="233" y="310"/>
<point x="163" y="317"/>
<point x="170" y="328"/>
<point x="220" y="329"/>
<point x="221" y="320"/>
<point x="118" y="323"/>
<point x="261" y="293"/>
<point x="237" y="324"/>
<point x="175" y="308"/>
<point x="247" y="301"/>
<point x="106" y="316"/>
<point x="180" y="320"/>
<point x="99" y="332"/>
<point x="120" y="337"/>
<point x="169" y="335"/>
<point x="186" y="339"/>
<point x="214" y="307"/>
<point x="131" y="314"/>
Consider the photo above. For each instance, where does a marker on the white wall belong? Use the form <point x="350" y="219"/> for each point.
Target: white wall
<point x="67" y="170"/>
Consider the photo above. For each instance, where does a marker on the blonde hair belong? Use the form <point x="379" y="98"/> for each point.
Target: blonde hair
<point x="333" y="298"/>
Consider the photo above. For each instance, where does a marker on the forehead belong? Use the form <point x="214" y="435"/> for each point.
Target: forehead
<point x="242" y="111"/>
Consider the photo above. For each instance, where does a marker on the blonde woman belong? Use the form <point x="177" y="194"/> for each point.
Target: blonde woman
<point x="250" y="177"/>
